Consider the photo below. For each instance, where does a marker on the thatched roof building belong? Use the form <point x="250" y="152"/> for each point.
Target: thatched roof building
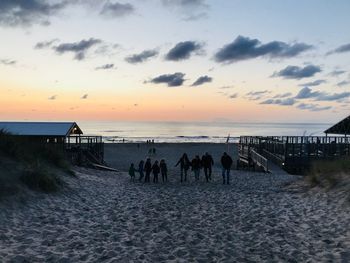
<point x="342" y="127"/>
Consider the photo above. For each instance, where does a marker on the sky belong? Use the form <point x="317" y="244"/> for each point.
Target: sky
<point x="175" y="60"/>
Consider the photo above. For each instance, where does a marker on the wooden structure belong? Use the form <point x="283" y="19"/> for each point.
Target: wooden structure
<point x="292" y="153"/>
<point x="341" y="128"/>
<point x="65" y="136"/>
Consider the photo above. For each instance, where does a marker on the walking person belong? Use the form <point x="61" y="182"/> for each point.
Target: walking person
<point x="156" y="170"/>
<point x="140" y="170"/>
<point x="132" y="171"/>
<point x="226" y="162"/>
<point x="184" y="166"/>
<point x="164" y="170"/>
<point x="207" y="163"/>
<point x="148" y="170"/>
<point x="196" y="167"/>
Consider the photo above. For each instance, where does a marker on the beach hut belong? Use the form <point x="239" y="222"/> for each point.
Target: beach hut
<point x="44" y="132"/>
<point x="341" y="128"/>
<point x="66" y="136"/>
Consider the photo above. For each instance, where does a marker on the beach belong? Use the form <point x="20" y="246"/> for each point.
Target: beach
<point x="104" y="217"/>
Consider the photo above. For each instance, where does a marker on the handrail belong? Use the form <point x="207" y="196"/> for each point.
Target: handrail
<point x="259" y="160"/>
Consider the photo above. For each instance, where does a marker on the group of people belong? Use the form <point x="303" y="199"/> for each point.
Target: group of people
<point x="145" y="169"/>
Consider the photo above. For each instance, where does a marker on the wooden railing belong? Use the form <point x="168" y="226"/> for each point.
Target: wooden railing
<point x="259" y="160"/>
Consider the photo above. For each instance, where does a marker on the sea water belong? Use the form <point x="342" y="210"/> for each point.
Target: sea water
<point x="213" y="132"/>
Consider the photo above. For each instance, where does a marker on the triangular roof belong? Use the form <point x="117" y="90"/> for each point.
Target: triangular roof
<point x="60" y="129"/>
<point x="342" y="127"/>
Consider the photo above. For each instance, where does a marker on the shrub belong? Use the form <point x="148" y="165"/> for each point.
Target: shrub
<point x="329" y="173"/>
<point x="38" y="178"/>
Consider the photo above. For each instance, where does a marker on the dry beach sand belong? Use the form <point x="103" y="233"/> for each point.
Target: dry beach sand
<point x="103" y="217"/>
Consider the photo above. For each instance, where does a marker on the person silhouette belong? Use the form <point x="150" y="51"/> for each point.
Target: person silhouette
<point x="164" y="170"/>
<point x="184" y="166"/>
<point x="196" y="167"/>
<point x="155" y="170"/>
<point x="140" y="170"/>
<point x="207" y="163"/>
<point x="148" y="170"/>
<point x="226" y="162"/>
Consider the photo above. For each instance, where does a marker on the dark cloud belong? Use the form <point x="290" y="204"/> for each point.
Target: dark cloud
<point x="307" y="93"/>
<point x="226" y="87"/>
<point x="295" y="72"/>
<point x="343" y="83"/>
<point x="53" y="97"/>
<point x="341" y="49"/>
<point x="201" y="80"/>
<point x="78" y="48"/>
<point x="313" y="83"/>
<point x="45" y="44"/>
<point x="337" y="72"/>
<point x="313" y="107"/>
<point x="28" y="12"/>
<point x="183" y="50"/>
<point x="195" y="17"/>
<point x="105" y="66"/>
<point x="283" y="102"/>
<point x="243" y="48"/>
<point x="333" y="97"/>
<point x="114" y="10"/>
<point x="85" y="96"/>
<point x="8" y="62"/>
<point x="233" y="96"/>
<point x="141" y="57"/>
<point x="172" y="80"/>
<point x="283" y="95"/>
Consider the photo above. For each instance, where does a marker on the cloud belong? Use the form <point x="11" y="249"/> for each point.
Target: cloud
<point x="141" y="57"/>
<point x="283" y="102"/>
<point x="172" y="80"/>
<point x="183" y="50"/>
<point x="78" y="48"/>
<point x="341" y="49"/>
<point x="53" y="97"/>
<point x="190" y="10"/>
<point x="105" y="66"/>
<point x="337" y="72"/>
<point x="343" y="83"/>
<point x="243" y="48"/>
<point x="185" y="3"/>
<point x="8" y="62"/>
<point x="333" y="97"/>
<point x="256" y="95"/>
<point x="283" y="95"/>
<point x="85" y="96"/>
<point x="307" y="93"/>
<point x="226" y="87"/>
<point x="114" y="10"/>
<point x="201" y="80"/>
<point x="233" y="96"/>
<point x="45" y="44"/>
<point x="28" y="12"/>
<point x="313" y="83"/>
<point x="295" y="72"/>
<point x="312" y="107"/>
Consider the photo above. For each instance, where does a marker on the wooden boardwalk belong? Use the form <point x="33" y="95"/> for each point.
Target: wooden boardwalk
<point x="292" y="153"/>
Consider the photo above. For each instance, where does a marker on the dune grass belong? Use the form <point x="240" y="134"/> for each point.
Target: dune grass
<point x="37" y="160"/>
<point x="329" y="173"/>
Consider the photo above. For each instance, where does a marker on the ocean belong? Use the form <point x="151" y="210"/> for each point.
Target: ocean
<point x="211" y="132"/>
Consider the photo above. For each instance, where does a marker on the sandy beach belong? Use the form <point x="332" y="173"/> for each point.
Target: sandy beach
<point x="103" y="217"/>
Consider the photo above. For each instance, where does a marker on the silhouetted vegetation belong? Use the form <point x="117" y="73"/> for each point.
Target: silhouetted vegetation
<point x="329" y="173"/>
<point x="38" y="161"/>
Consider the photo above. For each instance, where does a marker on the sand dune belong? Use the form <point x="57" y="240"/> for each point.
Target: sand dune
<point x="103" y="217"/>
